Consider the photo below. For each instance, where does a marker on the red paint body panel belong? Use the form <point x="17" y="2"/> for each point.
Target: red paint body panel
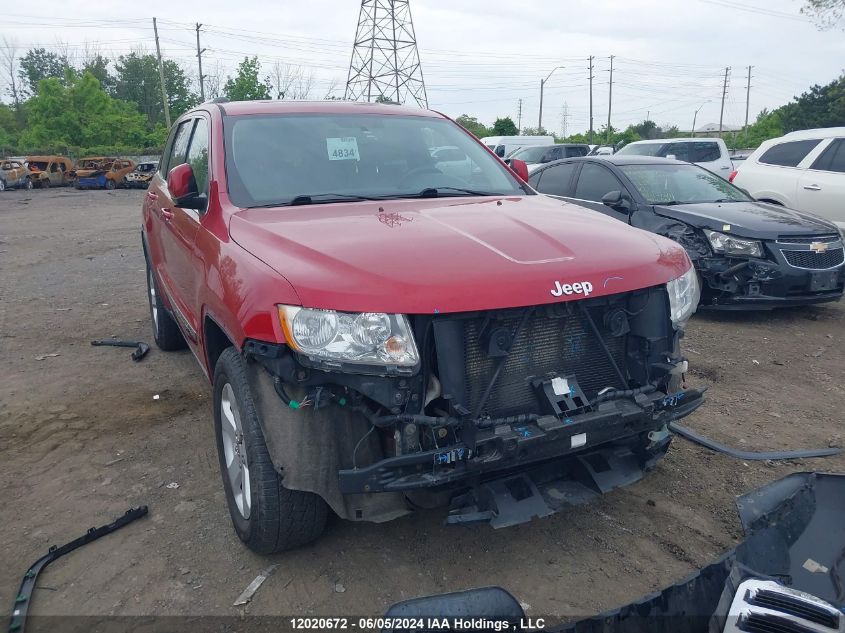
<point x="233" y="266"/>
<point x="452" y="255"/>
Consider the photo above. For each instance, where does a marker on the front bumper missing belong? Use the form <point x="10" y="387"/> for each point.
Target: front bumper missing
<point x="510" y="448"/>
<point x="737" y="284"/>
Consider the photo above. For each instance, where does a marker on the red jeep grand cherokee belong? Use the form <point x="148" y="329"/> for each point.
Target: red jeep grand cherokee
<point x="392" y="319"/>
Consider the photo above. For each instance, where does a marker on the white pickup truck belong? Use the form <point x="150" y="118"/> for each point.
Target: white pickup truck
<point x="710" y="153"/>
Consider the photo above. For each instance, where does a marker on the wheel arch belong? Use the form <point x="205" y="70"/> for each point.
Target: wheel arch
<point x="215" y="342"/>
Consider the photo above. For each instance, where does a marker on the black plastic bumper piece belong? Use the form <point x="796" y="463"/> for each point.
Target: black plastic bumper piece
<point x="509" y="447"/>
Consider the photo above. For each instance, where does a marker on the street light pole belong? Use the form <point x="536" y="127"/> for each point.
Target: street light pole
<point x="543" y="83"/>
<point x="695" y="116"/>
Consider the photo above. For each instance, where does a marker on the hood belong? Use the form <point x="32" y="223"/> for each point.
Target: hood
<point x="452" y="255"/>
<point x="748" y="219"/>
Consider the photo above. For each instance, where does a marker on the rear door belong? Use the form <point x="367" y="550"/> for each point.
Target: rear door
<point x="821" y="188"/>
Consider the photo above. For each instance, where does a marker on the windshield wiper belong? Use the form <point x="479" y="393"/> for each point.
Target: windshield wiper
<point x="316" y="197"/>
<point x="434" y="192"/>
<point x="727" y="200"/>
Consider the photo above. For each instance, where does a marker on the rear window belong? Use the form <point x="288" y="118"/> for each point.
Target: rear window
<point x="642" y="149"/>
<point x="833" y="158"/>
<point x="788" y="154"/>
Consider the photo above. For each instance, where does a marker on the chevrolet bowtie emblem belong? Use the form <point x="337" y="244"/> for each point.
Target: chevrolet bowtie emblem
<point x="818" y="247"/>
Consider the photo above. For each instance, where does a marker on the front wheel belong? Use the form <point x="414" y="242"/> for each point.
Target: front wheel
<point x="2" y="186"/>
<point x="28" y="184"/>
<point x="45" y="184"/>
<point x="267" y="516"/>
<point x="109" y="184"/>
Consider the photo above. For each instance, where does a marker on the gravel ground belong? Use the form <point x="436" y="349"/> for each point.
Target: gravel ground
<point x="82" y="438"/>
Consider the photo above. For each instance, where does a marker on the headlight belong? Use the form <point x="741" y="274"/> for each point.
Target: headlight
<point x="684" y="294"/>
<point x="730" y="245"/>
<point x="366" y="338"/>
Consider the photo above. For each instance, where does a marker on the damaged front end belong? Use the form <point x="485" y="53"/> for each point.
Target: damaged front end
<point x="508" y="414"/>
<point x="785" y="577"/>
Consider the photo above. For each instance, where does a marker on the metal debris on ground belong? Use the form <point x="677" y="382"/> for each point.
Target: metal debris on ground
<point x="141" y="348"/>
<point x="172" y="485"/>
<point x="43" y="356"/>
<point x="23" y="599"/>
<point x="252" y="587"/>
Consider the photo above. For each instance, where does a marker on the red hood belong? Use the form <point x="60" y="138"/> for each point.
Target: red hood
<point x="452" y="255"/>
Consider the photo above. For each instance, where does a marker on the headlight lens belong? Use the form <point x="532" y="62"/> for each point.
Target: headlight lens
<point x="684" y="293"/>
<point x="731" y="245"/>
<point x="366" y="338"/>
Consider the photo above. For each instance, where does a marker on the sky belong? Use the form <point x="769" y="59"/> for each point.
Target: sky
<point x="481" y="57"/>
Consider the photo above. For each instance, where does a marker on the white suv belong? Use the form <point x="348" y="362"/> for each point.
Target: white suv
<point x="710" y="153"/>
<point x="803" y="170"/>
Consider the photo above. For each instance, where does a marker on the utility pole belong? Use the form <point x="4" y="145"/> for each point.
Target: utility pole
<point x="747" y="102"/>
<point x="543" y="83"/>
<point x="199" y="61"/>
<point x="609" y="101"/>
<point x="724" y="94"/>
<point x="591" y="100"/>
<point x="161" y="78"/>
<point x="564" y="119"/>
<point x="519" y="118"/>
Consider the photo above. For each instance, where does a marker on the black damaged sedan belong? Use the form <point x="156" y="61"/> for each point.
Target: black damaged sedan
<point x="748" y="254"/>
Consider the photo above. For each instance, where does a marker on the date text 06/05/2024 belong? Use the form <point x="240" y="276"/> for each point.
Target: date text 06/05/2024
<point x="418" y="623"/>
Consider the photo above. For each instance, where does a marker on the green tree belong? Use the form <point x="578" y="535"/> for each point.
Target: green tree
<point x="534" y="131"/>
<point x="505" y="127"/>
<point x="245" y="85"/>
<point x="827" y="14"/>
<point x="9" y="128"/>
<point x="474" y="126"/>
<point x="99" y="67"/>
<point x="137" y="81"/>
<point x="81" y="115"/>
<point x="38" y="64"/>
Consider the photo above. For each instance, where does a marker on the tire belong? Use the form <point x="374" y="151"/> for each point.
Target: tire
<point x="28" y="185"/>
<point x="110" y="184"/>
<point x="266" y="516"/>
<point x="45" y="184"/>
<point x="166" y="332"/>
<point x="2" y="185"/>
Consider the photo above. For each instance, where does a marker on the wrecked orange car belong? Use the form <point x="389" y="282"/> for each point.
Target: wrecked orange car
<point x="49" y="171"/>
<point x="14" y="174"/>
<point x="101" y="173"/>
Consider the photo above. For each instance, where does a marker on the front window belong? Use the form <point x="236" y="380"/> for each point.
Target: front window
<point x="39" y="165"/>
<point x="294" y="159"/>
<point x="530" y="154"/>
<point x="642" y="149"/>
<point x="674" y="184"/>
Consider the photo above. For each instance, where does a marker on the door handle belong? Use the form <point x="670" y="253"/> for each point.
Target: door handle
<point x="812" y="188"/>
<point x="166" y="214"/>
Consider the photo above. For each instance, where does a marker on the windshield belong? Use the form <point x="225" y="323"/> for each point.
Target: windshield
<point x="530" y="154"/>
<point x="41" y="165"/>
<point x="686" y="183"/>
<point x="642" y="149"/>
<point x="283" y="159"/>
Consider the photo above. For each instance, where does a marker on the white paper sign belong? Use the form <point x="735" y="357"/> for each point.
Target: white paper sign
<point x="345" y="148"/>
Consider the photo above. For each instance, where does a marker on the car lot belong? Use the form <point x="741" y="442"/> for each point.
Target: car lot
<point x="72" y="271"/>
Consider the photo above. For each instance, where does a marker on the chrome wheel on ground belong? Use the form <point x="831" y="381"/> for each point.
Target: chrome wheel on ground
<point x="234" y="450"/>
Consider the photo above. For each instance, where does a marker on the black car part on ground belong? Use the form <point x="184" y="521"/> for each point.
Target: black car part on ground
<point x="23" y="598"/>
<point x="795" y="535"/>
<point x="141" y="348"/>
<point x="713" y="445"/>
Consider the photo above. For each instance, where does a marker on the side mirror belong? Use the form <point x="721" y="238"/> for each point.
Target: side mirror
<point x="618" y="201"/>
<point x="183" y="188"/>
<point x="520" y="168"/>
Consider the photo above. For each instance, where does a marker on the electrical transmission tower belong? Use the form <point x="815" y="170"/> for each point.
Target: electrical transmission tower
<point x="385" y="63"/>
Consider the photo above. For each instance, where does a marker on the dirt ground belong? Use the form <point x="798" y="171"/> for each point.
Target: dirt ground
<point x="82" y="439"/>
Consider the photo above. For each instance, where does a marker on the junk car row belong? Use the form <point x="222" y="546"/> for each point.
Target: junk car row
<point x="93" y="172"/>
